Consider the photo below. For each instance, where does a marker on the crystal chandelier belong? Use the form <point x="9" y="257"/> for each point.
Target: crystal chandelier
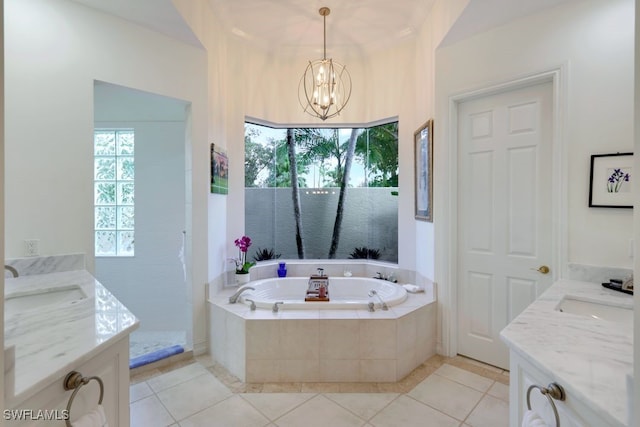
<point x="325" y="87"/>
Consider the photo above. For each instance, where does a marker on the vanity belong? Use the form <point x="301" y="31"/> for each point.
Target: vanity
<point x="57" y="323"/>
<point x="578" y="335"/>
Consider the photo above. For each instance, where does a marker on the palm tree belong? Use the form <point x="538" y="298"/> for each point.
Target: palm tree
<point x="379" y="148"/>
<point x="295" y="192"/>
<point x="344" y="180"/>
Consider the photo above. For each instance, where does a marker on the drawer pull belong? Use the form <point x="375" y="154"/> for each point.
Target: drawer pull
<point x="552" y="391"/>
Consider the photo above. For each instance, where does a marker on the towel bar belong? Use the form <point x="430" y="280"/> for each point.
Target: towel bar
<point x="552" y="391"/>
<point x="74" y="381"/>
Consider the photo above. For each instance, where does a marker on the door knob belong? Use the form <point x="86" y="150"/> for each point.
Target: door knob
<point x="542" y="269"/>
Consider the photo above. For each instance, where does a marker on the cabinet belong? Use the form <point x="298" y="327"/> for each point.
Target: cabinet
<point x="111" y="365"/>
<point x="572" y="412"/>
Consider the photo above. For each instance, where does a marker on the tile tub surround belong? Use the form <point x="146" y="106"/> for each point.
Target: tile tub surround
<point x="590" y="358"/>
<point x="322" y="345"/>
<point x="46" y="264"/>
<point x="50" y="340"/>
<point x="332" y="268"/>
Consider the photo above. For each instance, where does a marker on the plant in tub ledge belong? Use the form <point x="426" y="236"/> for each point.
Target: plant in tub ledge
<point x="242" y="265"/>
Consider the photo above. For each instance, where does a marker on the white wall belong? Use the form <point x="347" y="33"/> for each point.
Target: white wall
<point x="394" y="82"/>
<point x="593" y="40"/>
<point x="54" y="50"/>
<point x="635" y="386"/>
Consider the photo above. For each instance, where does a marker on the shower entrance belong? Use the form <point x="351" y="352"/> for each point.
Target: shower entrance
<point x="140" y="236"/>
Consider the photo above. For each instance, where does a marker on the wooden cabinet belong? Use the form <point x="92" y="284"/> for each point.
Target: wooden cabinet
<point x="111" y="365"/>
<point x="572" y="412"/>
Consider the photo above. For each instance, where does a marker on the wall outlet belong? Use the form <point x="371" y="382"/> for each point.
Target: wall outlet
<point x="31" y="247"/>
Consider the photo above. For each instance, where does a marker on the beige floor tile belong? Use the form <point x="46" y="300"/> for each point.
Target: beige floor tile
<point x="149" y="412"/>
<point x="139" y="391"/>
<point x="176" y="376"/>
<point x="194" y="395"/>
<point x="364" y="405"/>
<point x="319" y="412"/>
<point x="405" y="411"/>
<point x="233" y="411"/>
<point x="499" y="390"/>
<point x="467" y="378"/>
<point x="448" y="396"/>
<point x="275" y="405"/>
<point x="489" y="412"/>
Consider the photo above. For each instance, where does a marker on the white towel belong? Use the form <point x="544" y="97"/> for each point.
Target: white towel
<point x="532" y="419"/>
<point x="412" y="288"/>
<point x="95" y="418"/>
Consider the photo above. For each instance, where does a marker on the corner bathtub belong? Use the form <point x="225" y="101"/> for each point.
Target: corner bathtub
<point x="344" y="293"/>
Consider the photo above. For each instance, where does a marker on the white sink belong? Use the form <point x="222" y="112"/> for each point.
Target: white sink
<point x="596" y="310"/>
<point x="18" y="302"/>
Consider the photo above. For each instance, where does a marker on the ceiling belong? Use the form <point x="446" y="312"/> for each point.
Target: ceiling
<point x="288" y="26"/>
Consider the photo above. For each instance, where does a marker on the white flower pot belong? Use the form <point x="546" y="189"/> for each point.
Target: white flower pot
<point x="241" y="279"/>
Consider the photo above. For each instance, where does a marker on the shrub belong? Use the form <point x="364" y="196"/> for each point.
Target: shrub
<point x="365" y="253"/>
<point x="265" y="254"/>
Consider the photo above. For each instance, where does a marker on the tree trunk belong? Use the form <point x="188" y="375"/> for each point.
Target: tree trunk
<point x="295" y="192"/>
<point x="337" y="225"/>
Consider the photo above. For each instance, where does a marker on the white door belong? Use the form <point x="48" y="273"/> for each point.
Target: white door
<point x="504" y="214"/>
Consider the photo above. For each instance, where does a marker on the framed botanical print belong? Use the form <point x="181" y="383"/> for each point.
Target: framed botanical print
<point x="423" y="150"/>
<point x="611" y="181"/>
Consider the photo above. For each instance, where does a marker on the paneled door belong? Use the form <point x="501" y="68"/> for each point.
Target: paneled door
<point x="504" y="214"/>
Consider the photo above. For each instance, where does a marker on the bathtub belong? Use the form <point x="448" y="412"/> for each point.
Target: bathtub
<point x="344" y="292"/>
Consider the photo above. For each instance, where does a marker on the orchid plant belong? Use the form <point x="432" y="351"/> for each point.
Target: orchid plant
<point x="242" y="266"/>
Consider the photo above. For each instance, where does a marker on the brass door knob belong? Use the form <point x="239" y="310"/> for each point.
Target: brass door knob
<point x="542" y="269"/>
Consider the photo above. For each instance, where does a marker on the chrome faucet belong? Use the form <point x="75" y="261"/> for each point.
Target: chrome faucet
<point x="372" y="293"/>
<point x="253" y="303"/>
<point x="234" y="298"/>
<point x="13" y="271"/>
<point x="275" y="306"/>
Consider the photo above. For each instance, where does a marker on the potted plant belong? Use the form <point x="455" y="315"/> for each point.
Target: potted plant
<point x="242" y="265"/>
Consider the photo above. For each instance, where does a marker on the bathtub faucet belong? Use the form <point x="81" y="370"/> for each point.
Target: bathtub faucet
<point x="13" y="271"/>
<point x="275" y="306"/>
<point x="372" y="293"/>
<point x="234" y="298"/>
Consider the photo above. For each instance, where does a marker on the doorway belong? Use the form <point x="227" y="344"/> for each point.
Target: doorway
<point x="505" y="254"/>
<point x="151" y="279"/>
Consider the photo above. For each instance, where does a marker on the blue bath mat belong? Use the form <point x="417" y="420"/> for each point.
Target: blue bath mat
<point x="154" y="356"/>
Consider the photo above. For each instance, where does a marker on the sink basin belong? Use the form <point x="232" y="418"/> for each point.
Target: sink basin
<point x="18" y="302"/>
<point x="596" y="310"/>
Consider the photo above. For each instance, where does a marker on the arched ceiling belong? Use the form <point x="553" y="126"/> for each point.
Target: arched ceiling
<point x="287" y="27"/>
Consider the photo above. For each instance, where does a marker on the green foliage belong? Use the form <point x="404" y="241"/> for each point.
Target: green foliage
<point x="257" y="157"/>
<point x="365" y="253"/>
<point x="265" y="254"/>
<point x="379" y="149"/>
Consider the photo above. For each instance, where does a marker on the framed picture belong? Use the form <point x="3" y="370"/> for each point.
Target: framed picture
<point x="611" y="181"/>
<point x="219" y="170"/>
<point x="423" y="146"/>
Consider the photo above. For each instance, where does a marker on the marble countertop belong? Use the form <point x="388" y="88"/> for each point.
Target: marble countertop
<point x="589" y="357"/>
<point x="52" y="339"/>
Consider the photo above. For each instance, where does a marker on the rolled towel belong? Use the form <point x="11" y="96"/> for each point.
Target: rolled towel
<point x="95" y="418"/>
<point x="412" y="288"/>
<point x="532" y="419"/>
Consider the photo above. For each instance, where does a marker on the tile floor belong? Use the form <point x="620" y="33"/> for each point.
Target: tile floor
<point x="441" y="392"/>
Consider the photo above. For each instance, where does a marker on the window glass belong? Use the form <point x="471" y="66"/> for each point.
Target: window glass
<point x="114" y="192"/>
<point x="319" y="193"/>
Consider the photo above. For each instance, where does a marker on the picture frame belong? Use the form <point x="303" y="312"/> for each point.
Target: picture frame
<point x="423" y="152"/>
<point x="611" y="180"/>
<point x="219" y="170"/>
